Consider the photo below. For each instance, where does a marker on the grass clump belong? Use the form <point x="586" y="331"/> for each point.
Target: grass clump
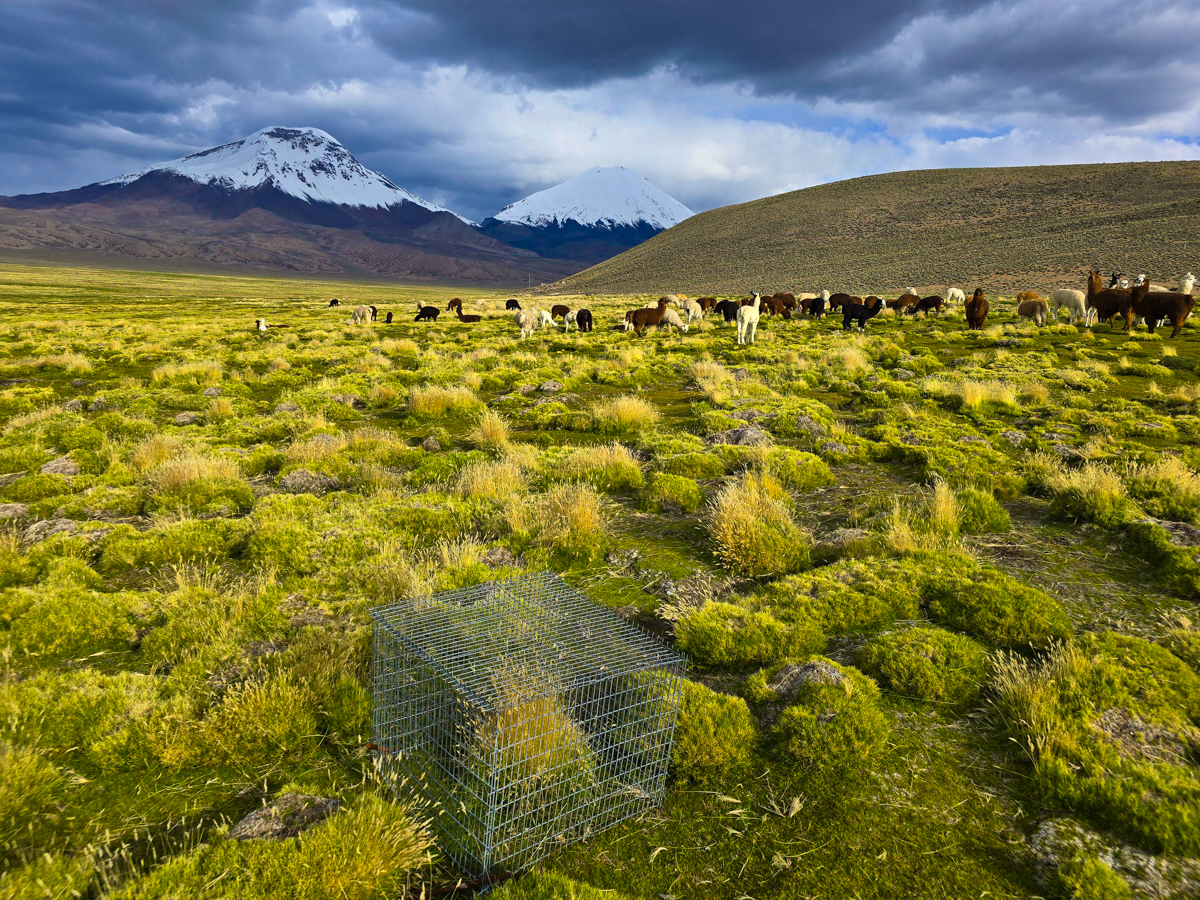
<point x="363" y="852"/>
<point x="199" y="485"/>
<point x="1167" y="489"/>
<point x="731" y="636"/>
<point x="198" y="373"/>
<point x="835" y="724"/>
<point x="607" y="467"/>
<point x="490" y="432"/>
<point x="753" y="531"/>
<point x="714" y="736"/>
<point x="928" y="664"/>
<point x="796" y="470"/>
<point x="493" y="480"/>
<point x="571" y="518"/>
<point x="980" y="513"/>
<point x="671" y="493"/>
<point x="624" y="414"/>
<point x="29" y="787"/>
<point x="1094" y="493"/>
<point x="432" y="401"/>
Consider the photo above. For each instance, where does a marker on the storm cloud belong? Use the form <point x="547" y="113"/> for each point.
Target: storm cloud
<point x="474" y="104"/>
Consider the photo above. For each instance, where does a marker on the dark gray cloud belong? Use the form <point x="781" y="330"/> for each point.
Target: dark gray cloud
<point x="89" y="88"/>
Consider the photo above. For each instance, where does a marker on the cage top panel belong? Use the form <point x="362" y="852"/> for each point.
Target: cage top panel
<point x="506" y="642"/>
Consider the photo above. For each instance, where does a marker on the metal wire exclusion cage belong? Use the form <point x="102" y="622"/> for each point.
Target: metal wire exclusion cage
<point x="528" y="715"/>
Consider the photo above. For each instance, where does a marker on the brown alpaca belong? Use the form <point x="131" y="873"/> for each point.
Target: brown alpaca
<point x="559" y="311"/>
<point x="468" y="318"/>
<point x="788" y="300"/>
<point x="1033" y="308"/>
<point x="1027" y="295"/>
<point x="837" y="300"/>
<point x="454" y="304"/>
<point x="1155" y="305"/>
<point x="641" y="319"/>
<point x="977" y="310"/>
<point x="1109" y="302"/>
<point x="903" y="302"/>
<point x="772" y="306"/>
<point x="707" y="303"/>
<point x="925" y="304"/>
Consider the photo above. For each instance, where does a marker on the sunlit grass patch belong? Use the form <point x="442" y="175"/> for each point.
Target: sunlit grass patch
<point x="434" y="400"/>
<point x="196" y="373"/>
<point x="626" y="413"/>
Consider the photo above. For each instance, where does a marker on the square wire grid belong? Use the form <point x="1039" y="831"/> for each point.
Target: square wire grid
<point x="529" y="716"/>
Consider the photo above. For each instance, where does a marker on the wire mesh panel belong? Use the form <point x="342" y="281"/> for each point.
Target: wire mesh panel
<point x="531" y="716"/>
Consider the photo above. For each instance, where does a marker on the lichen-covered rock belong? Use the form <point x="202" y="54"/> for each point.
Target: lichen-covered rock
<point x="746" y="436"/>
<point x="287" y="406"/>
<point x="499" y="558"/>
<point x="350" y="400"/>
<point x="790" y="680"/>
<point x="287" y="816"/>
<point x="903" y="374"/>
<point x="811" y="425"/>
<point x="187" y="418"/>
<point x="45" y="528"/>
<point x="550" y="387"/>
<point x="75" y="405"/>
<point x="1014" y="437"/>
<point x="834" y="447"/>
<point x="98" y="405"/>
<point x="14" y="510"/>
<point x="63" y="465"/>
<point x="431" y="445"/>
<point x="1060" y="844"/>
<point x="211" y="392"/>
<point x="1181" y="534"/>
<point x="302" y="481"/>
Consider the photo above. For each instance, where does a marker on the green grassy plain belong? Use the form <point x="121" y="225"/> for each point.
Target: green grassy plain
<point x="988" y="537"/>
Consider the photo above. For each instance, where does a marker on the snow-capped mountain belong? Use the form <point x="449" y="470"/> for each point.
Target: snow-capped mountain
<point x="599" y="198"/>
<point x="595" y="215"/>
<point x="305" y="163"/>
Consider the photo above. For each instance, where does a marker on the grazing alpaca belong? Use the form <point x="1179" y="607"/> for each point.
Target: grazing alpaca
<point x="469" y="319"/>
<point x="388" y="320"/>
<point x="903" y="302"/>
<point x="671" y="319"/>
<point x="558" y="311"/>
<point x="374" y="312"/>
<point x="527" y="321"/>
<point x="454" y="304"/>
<point x="925" y="304"/>
<point x="747" y="320"/>
<point x="728" y="310"/>
<point x="790" y="303"/>
<point x="1022" y="296"/>
<point x="977" y="310"/>
<point x="583" y="319"/>
<point x="1075" y="302"/>
<point x="836" y="300"/>
<point x="361" y="315"/>
<point x="333" y="303"/>
<point x="1108" y="303"/>
<point x="1154" y="306"/>
<point x="693" y="310"/>
<point x="1034" y="308"/>
<point x="955" y="295"/>
<point x="772" y="306"/>
<point x="261" y="325"/>
<point x="511" y="303"/>
<point x="638" y="319"/>
<point x="427" y="314"/>
<point x="857" y="310"/>
<point x="911" y="291"/>
<point x="707" y="303"/>
<point x="570" y="319"/>
<point x="545" y="319"/>
<point x="816" y="308"/>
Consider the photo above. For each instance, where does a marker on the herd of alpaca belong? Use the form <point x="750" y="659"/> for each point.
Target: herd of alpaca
<point x="1135" y="301"/>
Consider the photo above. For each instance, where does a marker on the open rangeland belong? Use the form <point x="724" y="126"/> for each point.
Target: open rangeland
<point x="937" y="586"/>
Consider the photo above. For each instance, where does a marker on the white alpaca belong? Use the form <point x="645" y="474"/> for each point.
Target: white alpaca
<point x="260" y="324"/>
<point x="693" y="310"/>
<point x="670" y="317"/>
<point x="545" y="319"/>
<point x="570" y="319"/>
<point x="1075" y="302"/>
<point x="526" y="321"/>
<point x="912" y="291"/>
<point x="955" y="295"/>
<point x="1186" y="283"/>
<point x="362" y="315"/>
<point x="800" y="298"/>
<point x="747" y="320"/>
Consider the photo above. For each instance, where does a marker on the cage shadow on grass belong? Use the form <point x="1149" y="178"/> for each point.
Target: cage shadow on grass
<point x="528" y="715"/>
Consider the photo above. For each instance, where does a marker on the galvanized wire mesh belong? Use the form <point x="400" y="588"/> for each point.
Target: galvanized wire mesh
<point x="529" y="715"/>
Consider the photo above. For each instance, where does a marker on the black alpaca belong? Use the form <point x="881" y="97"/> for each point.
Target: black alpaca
<point x="427" y="313"/>
<point x="374" y="313"/>
<point x="816" y="309"/>
<point x="334" y="302"/>
<point x="388" y="320"/>
<point x="512" y="304"/>
<point x="728" y="309"/>
<point x="858" y="312"/>
<point x="583" y="320"/>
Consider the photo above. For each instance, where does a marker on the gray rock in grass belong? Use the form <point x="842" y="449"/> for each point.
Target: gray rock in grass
<point x="1182" y="534"/>
<point x="1014" y="437"/>
<point x="47" y="528"/>
<point x="99" y="405"/>
<point x="211" y="392"/>
<point x="80" y="383"/>
<point x="63" y="465"/>
<point x="790" y="680"/>
<point x="811" y="425"/>
<point x="14" y="510"/>
<point x="746" y="436"/>
<point x="287" y="816"/>
<point x="302" y="481"/>
<point x="187" y="418"/>
<point x="431" y="445"/>
<point x="75" y="405"/>
<point x="350" y="400"/>
<point x="287" y="406"/>
<point x="903" y="374"/>
<point x="550" y="387"/>
<point x="834" y="447"/>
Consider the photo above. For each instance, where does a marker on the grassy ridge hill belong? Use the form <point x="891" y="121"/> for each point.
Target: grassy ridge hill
<point x="1036" y="227"/>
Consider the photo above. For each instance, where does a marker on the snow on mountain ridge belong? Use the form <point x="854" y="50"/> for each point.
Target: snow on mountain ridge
<point x="600" y="197"/>
<point x="304" y="162"/>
